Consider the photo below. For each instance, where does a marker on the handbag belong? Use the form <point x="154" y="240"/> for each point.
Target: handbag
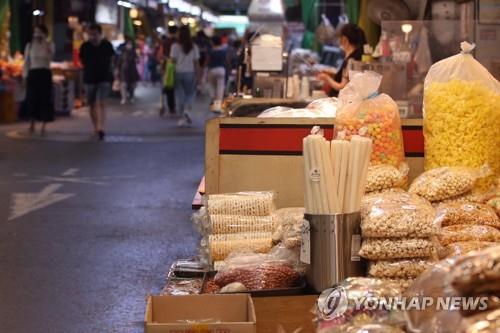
<point x="169" y="78"/>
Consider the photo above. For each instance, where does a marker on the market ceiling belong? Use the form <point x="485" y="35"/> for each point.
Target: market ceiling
<point x="227" y="7"/>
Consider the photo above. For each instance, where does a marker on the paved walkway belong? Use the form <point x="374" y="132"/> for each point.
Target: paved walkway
<point x="88" y="229"/>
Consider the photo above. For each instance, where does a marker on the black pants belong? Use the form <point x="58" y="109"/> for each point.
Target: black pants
<point x="39" y="95"/>
<point x="170" y="93"/>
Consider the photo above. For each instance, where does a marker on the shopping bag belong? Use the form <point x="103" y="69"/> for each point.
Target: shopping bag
<point x="461" y="114"/>
<point x="169" y="78"/>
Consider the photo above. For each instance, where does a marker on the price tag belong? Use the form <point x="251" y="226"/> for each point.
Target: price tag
<point x="355" y="247"/>
<point x="305" y="246"/>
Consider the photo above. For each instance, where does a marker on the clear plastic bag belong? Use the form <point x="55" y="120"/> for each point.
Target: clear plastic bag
<point x="327" y="106"/>
<point x="395" y="248"/>
<point x="221" y="246"/>
<point x="398" y="215"/>
<point x="486" y="322"/>
<point x="465" y="233"/>
<point x="290" y="228"/>
<point x="466" y="197"/>
<point x="398" y="269"/>
<point x="366" y="328"/>
<point x="328" y="111"/>
<point x="446" y="182"/>
<point x="478" y="273"/>
<point x="466" y="213"/>
<point x="230" y="224"/>
<point x="383" y="176"/>
<point x="461" y="103"/>
<point x="462" y="248"/>
<point x="362" y="111"/>
<point x="275" y="270"/>
<point x="355" y="288"/>
<point x="243" y="203"/>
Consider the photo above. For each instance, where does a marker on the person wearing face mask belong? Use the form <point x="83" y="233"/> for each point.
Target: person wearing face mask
<point x="127" y="70"/>
<point x="352" y="39"/>
<point x="38" y="55"/>
<point x="96" y="55"/>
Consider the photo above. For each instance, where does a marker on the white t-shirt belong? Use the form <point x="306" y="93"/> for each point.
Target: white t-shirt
<point x="184" y="63"/>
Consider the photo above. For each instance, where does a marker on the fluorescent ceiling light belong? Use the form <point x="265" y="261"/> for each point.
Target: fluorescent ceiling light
<point x="125" y="4"/>
<point x="38" y="12"/>
<point x="233" y="19"/>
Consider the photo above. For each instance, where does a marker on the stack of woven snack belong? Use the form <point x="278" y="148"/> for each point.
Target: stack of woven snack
<point x="397" y="229"/>
<point x="240" y="222"/>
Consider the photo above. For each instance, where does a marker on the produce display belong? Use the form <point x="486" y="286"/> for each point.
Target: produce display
<point x="383" y="176"/>
<point x="362" y="111"/>
<point x="445" y="182"/>
<point x="461" y="103"/>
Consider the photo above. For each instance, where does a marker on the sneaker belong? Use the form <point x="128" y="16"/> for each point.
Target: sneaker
<point x="188" y="118"/>
<point x="182" y="122"/>
<point x="123" y="102"/>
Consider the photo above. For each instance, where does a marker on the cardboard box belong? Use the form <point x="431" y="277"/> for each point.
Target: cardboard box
<point x="200" y="314"/>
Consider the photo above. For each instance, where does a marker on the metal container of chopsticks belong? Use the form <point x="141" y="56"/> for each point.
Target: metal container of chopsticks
<point x="335" y="244"/>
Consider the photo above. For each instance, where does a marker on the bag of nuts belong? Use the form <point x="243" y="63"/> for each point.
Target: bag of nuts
<point x="242" y="203"/>
<point x="398" y="269"/>
<point x="447" y="182"/>
<point x="276" y="270"/>
<point x="466" y="213"/>
<point x="397" y="215"/>
<point x="384" y="176"/>
<point x="462" y="248"/>
<point x="464" y="233"/>
<point x="396" y="248"/>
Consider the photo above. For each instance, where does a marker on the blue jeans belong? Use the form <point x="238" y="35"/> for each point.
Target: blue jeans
<point x="185" y="90"/>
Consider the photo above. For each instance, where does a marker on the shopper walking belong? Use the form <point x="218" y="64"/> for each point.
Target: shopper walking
<point x="186" y="56"/>
<point x="38" y="55"/>
<point x="352" y="39"/>
<point x="218" y="63"/>
<point x="96" y="55"/>
<point x="127" y="70"/>
<point x="168" y="96"/>
<point x="204" y="46"/>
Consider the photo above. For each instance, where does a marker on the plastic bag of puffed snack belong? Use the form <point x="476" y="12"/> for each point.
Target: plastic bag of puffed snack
<point x="398" y="269"/>
<point x="242" y="203"/>
<point x="466" y="213"/>
<point x="447" y="182"/>
<point x="462" y="248"/>
<point x="363" y="111"/>
<point x="289" y="229"/>
<point x="355" y="312"/>
<point x="397" y="248"/>
<point x="383" y="176"/>
<point x="466" y="233"/>
<point x="231" y="224"/>
<point x="485" y="322"/>
<point x="398" y="215"/>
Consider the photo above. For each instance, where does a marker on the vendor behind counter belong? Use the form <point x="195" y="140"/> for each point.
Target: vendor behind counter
<point x="352" y="39"/>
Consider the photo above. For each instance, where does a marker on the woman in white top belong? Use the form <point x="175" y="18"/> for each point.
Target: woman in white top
<point x="185" y="55"/>
<point x="38" y="55"/>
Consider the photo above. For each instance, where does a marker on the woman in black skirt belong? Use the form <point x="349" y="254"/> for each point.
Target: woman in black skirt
<point x="38" y="55"/>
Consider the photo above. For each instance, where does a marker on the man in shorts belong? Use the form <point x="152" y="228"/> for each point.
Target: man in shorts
<point x="97" y="55"/>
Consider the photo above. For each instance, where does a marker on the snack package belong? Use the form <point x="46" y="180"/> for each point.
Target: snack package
<point x="290" y="228"/>
<point x="461" y="103"/>
<point x="398" y="269"/>
<point x="383" y="176"/>
<point x="243" y="203"/>
<point x="486" y="322"/>
<point x="398" y="215"/>
<point x="362" y="111"/>
<point x="462" y="248"/>
<point x="466" y="233"/>
<point x="446" y="182"/>
<point x="354" y="288"/>
<point x="221" y="246"/>
<point x="230" y="224"/>
<point x="276" y="270"/>
<point x="466" y="197"/>
<point x="466" y="213"/>
<point x="477" y="273"/>
<point x="396" y="248"/>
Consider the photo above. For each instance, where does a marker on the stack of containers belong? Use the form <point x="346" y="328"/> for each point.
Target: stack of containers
<point x="240" y="222"/>
<point x="397" y="229"/>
